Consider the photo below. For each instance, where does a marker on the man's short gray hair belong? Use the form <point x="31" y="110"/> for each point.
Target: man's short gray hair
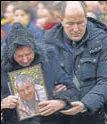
<point x="64" y="6"/>
<point x="23" y="78"/>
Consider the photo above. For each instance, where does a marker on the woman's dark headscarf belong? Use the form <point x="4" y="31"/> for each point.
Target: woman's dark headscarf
<point x="18" y="36"/>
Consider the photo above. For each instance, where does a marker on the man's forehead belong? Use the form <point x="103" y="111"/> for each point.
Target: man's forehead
<point x="74" y="17"/>
<point x="74" y="9"/>
<point x="25" y="48"/>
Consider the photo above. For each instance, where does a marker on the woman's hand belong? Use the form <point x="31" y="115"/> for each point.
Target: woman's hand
<point x="9" y="102"/>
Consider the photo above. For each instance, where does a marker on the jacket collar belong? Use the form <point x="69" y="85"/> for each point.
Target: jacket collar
<point x="58" y="37"/>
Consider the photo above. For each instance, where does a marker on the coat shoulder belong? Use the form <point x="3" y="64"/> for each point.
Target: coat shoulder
<point x="50" y="33"/>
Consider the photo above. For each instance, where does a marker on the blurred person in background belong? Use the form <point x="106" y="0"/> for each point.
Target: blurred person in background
<point x="92" y="8"/>
<point x="56" y="10"/>
<point x="6" y="22"/>
<point x="9" y="13"/>
<point x="102" y="14"/>
<point x="7" y="19"/>
<point x="3" y="6"/>
<point x="33" y="5"/>
<point x="22" y="15"/>
<point x="45" y="18"/>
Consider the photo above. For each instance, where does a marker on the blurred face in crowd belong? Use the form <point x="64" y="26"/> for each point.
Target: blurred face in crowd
<point x="9" y="12"/>
<point x="24" y="56"/>
<point x="74" y="22"/>
<point x="26" y="91"/>
<point x="103" y="5"/>
<point x="43" y="12"/>
<point x="92" y="6"/>
<point x="21" y="16"/>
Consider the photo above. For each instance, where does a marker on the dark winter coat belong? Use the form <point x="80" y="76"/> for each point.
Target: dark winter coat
<point x="90" y="62"/>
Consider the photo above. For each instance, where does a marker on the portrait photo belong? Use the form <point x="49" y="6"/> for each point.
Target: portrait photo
<point x="29" y="87"/>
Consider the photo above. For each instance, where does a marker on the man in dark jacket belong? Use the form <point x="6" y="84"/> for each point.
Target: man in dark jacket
<point x="81" y="45"/>
<point x="21" y="52"/>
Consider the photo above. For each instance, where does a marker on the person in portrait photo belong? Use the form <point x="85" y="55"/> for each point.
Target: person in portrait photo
<point x="29" y="94"/>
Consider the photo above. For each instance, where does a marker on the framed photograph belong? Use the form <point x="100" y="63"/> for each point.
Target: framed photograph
<point x="28" y="86"/>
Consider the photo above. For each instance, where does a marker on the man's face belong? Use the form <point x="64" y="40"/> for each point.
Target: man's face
<point x="24" y="56"/>
<point x="74" y="23"/>
<point x="26" y="91"/>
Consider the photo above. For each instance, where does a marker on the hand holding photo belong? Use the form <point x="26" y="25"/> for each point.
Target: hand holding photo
<point x="29" y="87"/>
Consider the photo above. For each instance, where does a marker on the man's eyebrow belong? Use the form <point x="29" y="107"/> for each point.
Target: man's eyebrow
<point x="21" y="90"/>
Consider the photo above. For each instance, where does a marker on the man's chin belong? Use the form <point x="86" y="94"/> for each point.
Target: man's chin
<point x="28" y="99"/>
<point x="76" y="39"/>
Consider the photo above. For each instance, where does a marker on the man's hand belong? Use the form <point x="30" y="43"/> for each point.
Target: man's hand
<point x="59" y="88"/>
<point x="49" y="107"/>
<point x="9" y="102"/>
<point x="76" y="108"/>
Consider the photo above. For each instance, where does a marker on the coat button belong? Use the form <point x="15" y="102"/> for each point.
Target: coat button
<point x="56" y="83"/>
<point x="94" y="60"/>
<point x="62" y="64"/>
<point x="78" y="66"/>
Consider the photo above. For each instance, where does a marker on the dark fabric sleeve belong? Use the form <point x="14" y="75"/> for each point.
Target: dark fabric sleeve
<point x="60" y="77"/>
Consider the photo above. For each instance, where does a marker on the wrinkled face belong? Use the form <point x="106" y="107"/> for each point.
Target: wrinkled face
<point x="74" y="23"/>
<point x="24" y="56"/>
<point x="21" y="16"/>
<point x="26" y="91"/>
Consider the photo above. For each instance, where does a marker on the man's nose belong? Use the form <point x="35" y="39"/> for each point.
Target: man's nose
<point x="75" y="27"/>
<point x="26" y="92"/>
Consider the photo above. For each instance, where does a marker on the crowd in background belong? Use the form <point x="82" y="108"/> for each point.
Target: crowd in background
<point x="40" y="16"/>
